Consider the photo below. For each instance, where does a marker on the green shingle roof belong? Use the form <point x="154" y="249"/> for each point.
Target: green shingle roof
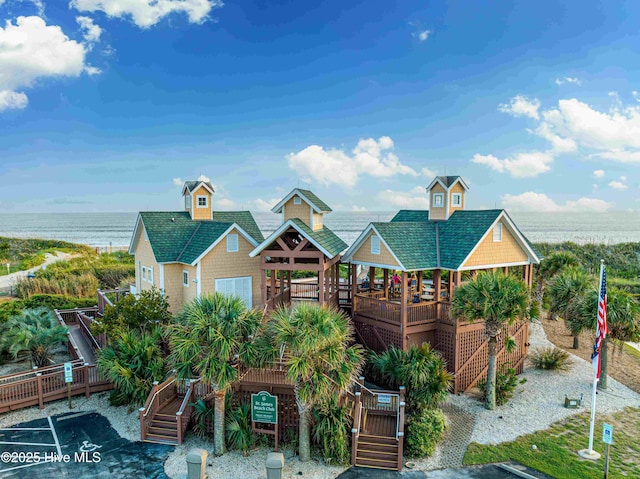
<point x="422" y="244"/>
<point x="324" y="237"/>
<point x="174" y="236"/>
<point x="317" y="202"/>
<point x="411" y="216"/>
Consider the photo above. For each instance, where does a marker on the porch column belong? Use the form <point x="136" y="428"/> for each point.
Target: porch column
<point x="458" y="278"/>
<point x="474" y="273"/>
<point x="263" y="286"/>
<point x="281" y="277"/>
<point x="385" y="281"/>
<point x="273" y="283"/>
<point x="353" y="270"/>
<point x="505" y="270"/>
<point x="289" y="280"/>
<point x="327" y="282"/>
<point x="530" y="275"/>
<point x="436" y="284"/>
<point x="321" y="286"/>
<point x="372" y="277"/>
<point x="403" y="309"/>
<point x="450" y="285"/>
<point x="419" y="285"/>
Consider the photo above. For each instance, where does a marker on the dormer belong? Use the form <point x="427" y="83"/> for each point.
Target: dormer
<point x="197" y="197"/>
<point x="304" y="205"/>
<point x="446" y="196"/>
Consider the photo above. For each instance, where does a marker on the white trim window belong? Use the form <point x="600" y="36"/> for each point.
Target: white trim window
<point x="497" y="233"/>
<point x="240" y="287"/>
<point x="147" y="274"/>
<point x="185" y="278"/>
<point x="438" y="200"/>
<point x="202" y="201"/>
<point x="297" y="200"/>
<point x="187" y="201"/>
<point x="375" y="244"/>
<point x="232" y="243"/>
<point x="456" y="200"/>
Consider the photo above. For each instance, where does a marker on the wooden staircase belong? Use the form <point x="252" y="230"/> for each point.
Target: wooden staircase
<point x="163" y="428"/>
<point x="378" y="452"/>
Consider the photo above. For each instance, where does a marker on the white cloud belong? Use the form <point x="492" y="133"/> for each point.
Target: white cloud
<point x="369" y="157"/>
<point x="358" y="209"/>
<point x="574" y="80"/>
<point x="31" y="50"/>
<point x="558" y="144"/>
<point x="178" y="181"/>
<point x="539" y="202"/>
<point x="598" y="173"/>
<point x="522" y="165"/>
<point x="636" y="95"/>
<point x="422" y="35"/>
<point x="146" y="13"/>
<point x="13" y="100"/>
<point x="263" y="205"/>
<point x="618" y="185"/>
<point x="224" y="204"/>
<point x="416" y="198"/>
<point x="520" y="105"/>
<point x="91" y="31"/>
<point x="203" y="178"/>
<point x="623" y="178"/>
<point x="429" y="173"/>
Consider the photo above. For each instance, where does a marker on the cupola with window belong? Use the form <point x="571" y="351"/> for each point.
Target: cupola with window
<point x="197" y="199"/>
<point x="446" y="196"/>
<point x="303" y="205"/>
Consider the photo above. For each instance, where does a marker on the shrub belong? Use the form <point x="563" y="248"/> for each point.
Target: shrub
<point x="332" y="430"/>
<point x="506" y="383"/>
<point x="202" y="416"/>
<point x="424" y="430"/>
<point x="238" y="428"/>
<point x="551" y="358"/>
<point x="421" y="370"/>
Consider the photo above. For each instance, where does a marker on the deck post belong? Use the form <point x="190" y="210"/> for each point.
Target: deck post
<point x="419" y="285"/>
<point x="372" y="277"/>
<point x="403" y="309"/>
<point x="87" y="389"/>
<point x="450" y="285"/>
<point x="321" y="286"/>
<point x="327" y="279"/>
<point x="354" y="286"/>
<point x="263" y="285"/>
<point x="530" y="275"/>
<point x="505" y="270"/>
<point x="400" y="427"/>
<point x="436" y="284"/>
<point x="272" y="293"/>
<point x="281" y="278"/>
<point x="40" y="393"/>
<point x="385" y="280"/>
<point x="179" y="425"/>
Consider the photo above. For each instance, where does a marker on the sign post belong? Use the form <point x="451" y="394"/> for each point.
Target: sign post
<point x="607" y="438"/>
<point x="264" y="409"/>
<point x="68" y="378"/>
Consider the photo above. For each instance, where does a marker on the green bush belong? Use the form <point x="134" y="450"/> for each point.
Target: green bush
<point x="331" y="430"/>
<point x="202" y="415"/>
<point x="50" y="301"/>
<point x="424" y="429"/>
<point x="506" y="383"/>
<point x="238" y="428"/>
<point x="551" y="358"/>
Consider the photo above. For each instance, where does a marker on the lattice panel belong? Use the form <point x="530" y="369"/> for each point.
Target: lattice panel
<point x="446" y="344"/>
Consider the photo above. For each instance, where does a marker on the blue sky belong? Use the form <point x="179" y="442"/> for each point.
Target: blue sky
<point x="106" y="105"/>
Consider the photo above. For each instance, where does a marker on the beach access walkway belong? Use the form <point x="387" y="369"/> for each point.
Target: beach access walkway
<point x="9" y="280"/>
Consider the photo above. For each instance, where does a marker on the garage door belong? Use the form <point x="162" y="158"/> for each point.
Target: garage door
<point x="236" y="286"/>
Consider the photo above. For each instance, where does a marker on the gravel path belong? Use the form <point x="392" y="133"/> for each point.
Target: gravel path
<point x="540" y="401"/>
<point x="10" y="279"/>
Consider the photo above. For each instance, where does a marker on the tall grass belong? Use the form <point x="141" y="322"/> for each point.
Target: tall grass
<point x="83" y="286"/>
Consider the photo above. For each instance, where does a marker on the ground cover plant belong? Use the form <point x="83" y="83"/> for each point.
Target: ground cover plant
<point x="24" y="254"/>
<point x="551" y="359"/>
<point x="555" y="451"/>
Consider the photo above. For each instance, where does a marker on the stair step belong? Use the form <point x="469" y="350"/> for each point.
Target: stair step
<point x="388" y="465"/>
<point x="376" y="446"/>
<point x="161" y="440"/>
<point x="163" y="423"/>
<point x="371" y="439"/>
<point x="166" y="417"/>
<point x="377" y="455"/>
<point x="161" y="431"/>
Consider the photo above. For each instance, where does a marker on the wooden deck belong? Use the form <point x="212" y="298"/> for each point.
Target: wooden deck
<point x="383" y="425"/>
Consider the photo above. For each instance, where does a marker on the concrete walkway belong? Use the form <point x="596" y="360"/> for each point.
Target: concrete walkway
<point x="11" y="279"/>
<point x="489" y="471"/>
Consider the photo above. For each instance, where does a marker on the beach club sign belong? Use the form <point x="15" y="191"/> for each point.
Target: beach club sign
<point x="264" y="408"/>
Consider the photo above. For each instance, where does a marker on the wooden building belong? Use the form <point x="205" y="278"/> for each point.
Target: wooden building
<point x="450" y="243"/>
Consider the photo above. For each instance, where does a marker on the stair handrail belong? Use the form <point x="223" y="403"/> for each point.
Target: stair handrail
<point x="355" y="430"/>
<point x="161" y="387"/>
<point x="185" y="407"/>
<point x="152" y="404"/>
<point x="400" y="427"/>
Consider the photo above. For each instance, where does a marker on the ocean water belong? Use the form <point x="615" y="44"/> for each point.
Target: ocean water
<point x="102" y="229"/>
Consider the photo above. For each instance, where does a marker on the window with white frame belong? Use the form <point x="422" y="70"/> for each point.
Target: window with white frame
<point x="232" y="243"/>
<point x="297" y="200"/>
<point x="375" y="244"/>
<point x="187" y="201"/>
<point x="202" y="201"/>
<point x="185" y="278"/>
<point x="438" y="200"/>
<point x="240" y="287"/>
<point x="456" y="199"/>
<point x="147" y="274"/>
<point x="497" y="233"/>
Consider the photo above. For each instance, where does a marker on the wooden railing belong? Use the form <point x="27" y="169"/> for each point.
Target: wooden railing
<point x="103" y="299"/>
<point x="377" y="309"/>
<point x="357" y="424"/>
<point x="282" y="298"/>
<point x="85" y="329"/>
<point x="71" y="318"/>
<point x="186" y="409"/>
<point x="344" y="292"/>
<point x="420" y="313"/>
<point x="400" y="428"/>
<point x="47" y="384"/>
<point x="160" y="393"/>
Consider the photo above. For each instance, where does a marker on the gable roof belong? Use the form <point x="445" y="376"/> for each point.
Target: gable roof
<point x="421" y="244"/>
<point x="447" y="182"/>
<point x="324" y="239"/>
<point x="175" y="237"/>
<point x="191" y="186"/>
<point x="308" y="196"/>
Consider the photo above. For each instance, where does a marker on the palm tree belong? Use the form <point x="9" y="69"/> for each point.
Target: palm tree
<point x="213" y="335"/>
<point x="314" y="344"/>
<point x="565" y="292"/>
<point x="132" y="361"/>
<point x="498" y="299"/>
<point x="549" y="267"/>
<point x="35" y="331"/>
<point x="623" y="315"/>
<point x="421" y="370"/>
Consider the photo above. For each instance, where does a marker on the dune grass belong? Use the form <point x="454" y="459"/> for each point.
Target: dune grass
<point x="556" y="448"/>
<point x="22" y="254"/>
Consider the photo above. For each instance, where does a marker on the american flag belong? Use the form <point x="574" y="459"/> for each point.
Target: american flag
<point x="602" y="326"/>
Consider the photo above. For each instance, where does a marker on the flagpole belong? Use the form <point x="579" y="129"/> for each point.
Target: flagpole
<point x="590" y="453"/>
